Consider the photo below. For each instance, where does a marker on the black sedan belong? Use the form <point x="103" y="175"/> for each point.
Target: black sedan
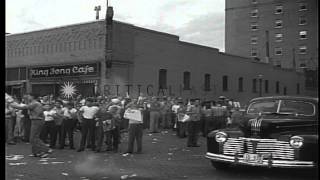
<point x="277" y="131"/>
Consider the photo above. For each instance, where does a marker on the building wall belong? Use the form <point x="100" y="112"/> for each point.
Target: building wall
<point x="140" y="53"/>
<point x="238" y="31"/>
<point x="153" y="54"/>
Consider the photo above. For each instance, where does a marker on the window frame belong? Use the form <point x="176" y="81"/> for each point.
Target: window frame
<point x="275" y="51"/>
<point x="277" y="7"/>
<point x="254" y="11"/>
<point x="162" y="82"/>
<point x="298" y="88"/>
<point x="256" y="25"/>
<point x="252" y="51"/>
<point x="240" y="84"/>
<point x="266" y="86"/>
<point x="306" y="34"/>
<point x="305" y="51"/>
<point x="207" y="84"/>
<point x="186" y="80"/>
<point x="276" y="23"/>
<point x="301" y="18"/>
<point x="277" y="87"/>
<point x="225" y="83"/>
<point x="277" y="39"/>
<point x="301" y="4"/>
<point x="254" y="38"/>
<point x="254" y="85"/>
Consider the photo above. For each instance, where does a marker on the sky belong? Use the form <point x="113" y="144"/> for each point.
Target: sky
<point x="195" y="21"/>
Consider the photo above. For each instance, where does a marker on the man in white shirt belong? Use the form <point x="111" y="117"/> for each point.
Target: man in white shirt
<point x="88" y="124"/>
<point x="135" y="129"/>
<point x="69" y="114"/>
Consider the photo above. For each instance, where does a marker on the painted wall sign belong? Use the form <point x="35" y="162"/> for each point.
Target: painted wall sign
<point x="64" y="71"/>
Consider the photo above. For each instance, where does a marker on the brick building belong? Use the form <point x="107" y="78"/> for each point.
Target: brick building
<point x="144" y="60"/>
<point x="282" y="32"/>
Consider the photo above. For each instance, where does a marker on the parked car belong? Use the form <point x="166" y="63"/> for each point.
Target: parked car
<point x="277" y="131"/>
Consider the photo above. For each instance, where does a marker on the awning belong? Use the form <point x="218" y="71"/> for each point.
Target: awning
<point x="14" y="83"/>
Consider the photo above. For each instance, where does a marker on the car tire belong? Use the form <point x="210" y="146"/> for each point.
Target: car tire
<point x="220" y="165"/>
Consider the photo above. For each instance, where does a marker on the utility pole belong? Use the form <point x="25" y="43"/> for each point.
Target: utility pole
<point x="109" y="27"/>
<point x="97" y="9"/>
<point x="260" y="84"/>
<point x="106" y="62"/>
<point x="294" y="59"/>
<point x="267" y="47"/>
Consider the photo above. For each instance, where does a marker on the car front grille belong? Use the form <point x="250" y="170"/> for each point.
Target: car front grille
<point x="278" y="149"/>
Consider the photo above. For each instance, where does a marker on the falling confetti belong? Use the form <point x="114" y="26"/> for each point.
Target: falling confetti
<point x="133" y="175"/>
<point x="124" y="177"/>
<point x="44" y="163"/>
<point x="57" y="162"/>
<point x="17" y="164"/>
<point x="14" y="157"/>
<point x="65" y="174"/>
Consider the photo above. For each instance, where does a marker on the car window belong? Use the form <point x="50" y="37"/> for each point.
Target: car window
<point x="297" y="107"/>
<point x="263" y="107"/>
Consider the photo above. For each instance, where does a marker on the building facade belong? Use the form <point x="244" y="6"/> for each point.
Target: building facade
<point x="281" y="32"/>
<point x="143" y="61"/>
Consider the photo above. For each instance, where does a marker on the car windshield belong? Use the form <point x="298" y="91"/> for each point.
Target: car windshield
<point x="297" y="107"/>
<point x="263" y="107"/>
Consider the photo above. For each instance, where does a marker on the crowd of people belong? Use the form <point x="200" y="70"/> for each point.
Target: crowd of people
<point x="46" y="121"/>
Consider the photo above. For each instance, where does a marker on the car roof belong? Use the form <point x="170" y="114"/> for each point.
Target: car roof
<point x="306" y="98"/>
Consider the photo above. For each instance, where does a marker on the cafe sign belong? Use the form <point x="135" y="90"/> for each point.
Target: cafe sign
<point x="75" y="70"/>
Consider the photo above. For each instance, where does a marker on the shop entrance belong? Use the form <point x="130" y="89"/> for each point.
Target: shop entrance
<point x="55" y="89"/>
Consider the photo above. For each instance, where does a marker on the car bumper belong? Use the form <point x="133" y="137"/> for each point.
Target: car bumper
<point x="266" y="163"/>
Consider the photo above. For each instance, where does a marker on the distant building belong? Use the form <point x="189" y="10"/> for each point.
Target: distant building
<point x="144" y="60"/>
<point x="289" y="26"/>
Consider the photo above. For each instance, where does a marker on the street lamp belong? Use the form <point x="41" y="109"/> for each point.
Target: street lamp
<point x="260" y="76"/>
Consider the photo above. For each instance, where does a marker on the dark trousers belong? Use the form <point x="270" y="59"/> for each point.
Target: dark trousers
<point x="220" y="122"/>
<point x="166" y="120"/>
<point x="59" y="135"/>
<point x="112" y="138"/>
<point x="37" y="145"/>
<point x="181" y="129"/>
<point x="27" y="128"/>
<point x="209" y="125"/>
<point x="88" y="129"/>
<point x="193" y="132"/>
<point x="135" y="134"/>
<point x="49" y="128"/>
<point x="68" y="128"/>
<point x="9" y="131"/>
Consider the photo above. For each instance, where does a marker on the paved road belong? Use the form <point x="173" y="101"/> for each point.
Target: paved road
<point x="164" y="157"/>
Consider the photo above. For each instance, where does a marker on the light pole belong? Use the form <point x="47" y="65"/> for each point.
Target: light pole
<point x="260" y="76"/>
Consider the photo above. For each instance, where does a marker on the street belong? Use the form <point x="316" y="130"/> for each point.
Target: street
<point x="164" y="156"/>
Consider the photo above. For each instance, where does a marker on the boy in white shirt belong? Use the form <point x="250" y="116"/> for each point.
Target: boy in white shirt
<point x="88" y="124"/>
<point x="49" y="127"/>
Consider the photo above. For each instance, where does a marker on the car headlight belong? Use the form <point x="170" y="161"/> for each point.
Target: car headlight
<point x="296" y="141"/>
<point x="221" y="137"/>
